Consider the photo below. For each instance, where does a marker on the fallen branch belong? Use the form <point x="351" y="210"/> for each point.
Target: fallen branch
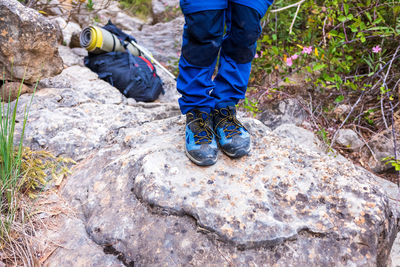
<point x="287" y="7"/>
<point x="294" y="19"/>
<point x="298" y="4"/>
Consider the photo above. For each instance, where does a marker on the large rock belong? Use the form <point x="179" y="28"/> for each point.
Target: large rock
<point x="28" y="41"/>
<point x="283" y="205"/>
<point x="139" y="200"/>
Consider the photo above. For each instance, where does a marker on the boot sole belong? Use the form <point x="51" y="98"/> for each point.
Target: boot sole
<point x="206" y="162"/>
<point x="238" y="153"/>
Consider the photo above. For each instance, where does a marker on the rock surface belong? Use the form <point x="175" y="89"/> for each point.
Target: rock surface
<point x="139" y="200"/>
<point x="28" y="41"/>
<point x="77" y="112"/>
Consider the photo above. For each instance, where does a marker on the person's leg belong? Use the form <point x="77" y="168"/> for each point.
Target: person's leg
<point x="202" y="39"/>
<point x="238" y="50"/>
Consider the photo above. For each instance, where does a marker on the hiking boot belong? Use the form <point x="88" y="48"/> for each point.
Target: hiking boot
<point x="201" y="145"/>
<point x="233" y="137"/>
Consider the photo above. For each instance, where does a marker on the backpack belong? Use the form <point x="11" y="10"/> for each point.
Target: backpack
<point x="134" y="77"/>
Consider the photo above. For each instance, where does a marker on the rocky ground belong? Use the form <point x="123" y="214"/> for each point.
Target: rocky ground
<point x="134" y="199"/>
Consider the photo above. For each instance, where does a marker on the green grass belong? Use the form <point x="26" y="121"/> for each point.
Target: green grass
<point x="10" y="161"/>
<point x="23" y="173"/>
<point x="138" y="8"/>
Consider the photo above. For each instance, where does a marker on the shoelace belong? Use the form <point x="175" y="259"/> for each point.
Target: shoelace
<point x="230" y="120"/>
<point x="201" y="126"/>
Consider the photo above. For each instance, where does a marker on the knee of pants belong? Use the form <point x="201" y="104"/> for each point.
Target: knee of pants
<point x="240" y="45"/>
<point x="203" y="37"/>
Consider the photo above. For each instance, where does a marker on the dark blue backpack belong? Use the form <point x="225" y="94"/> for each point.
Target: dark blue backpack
<point x="134" y="77"/>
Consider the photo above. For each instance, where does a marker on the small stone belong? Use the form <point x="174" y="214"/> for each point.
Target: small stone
<point x="349" y="139"/>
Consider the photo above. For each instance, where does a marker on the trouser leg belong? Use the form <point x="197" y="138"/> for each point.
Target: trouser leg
<point x="237" y="52"/>
<point x="202" y="39"/>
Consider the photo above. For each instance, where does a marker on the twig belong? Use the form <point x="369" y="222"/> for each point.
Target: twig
<point x="294" y="18"/>
<point x="287" y="7"/>
<point x="383" y="113"/>
<point x="323" y="31"/>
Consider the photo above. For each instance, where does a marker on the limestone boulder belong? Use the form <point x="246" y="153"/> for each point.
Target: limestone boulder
<point x="138" y="200"/>
<point x="283" y="205"/>
<point x="28" y="40"/>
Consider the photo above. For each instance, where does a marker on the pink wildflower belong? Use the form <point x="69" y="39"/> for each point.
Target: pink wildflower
<point x="289" y="62"/>
<point x="259" y="55"/>
<point x="294" y="57"/>
<point x="376" y="49"/>
<point x="307" y="50"/>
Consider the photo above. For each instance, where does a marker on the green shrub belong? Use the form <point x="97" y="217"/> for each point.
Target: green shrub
<point x="138" y="8"/>
<point x="346" y="51"/>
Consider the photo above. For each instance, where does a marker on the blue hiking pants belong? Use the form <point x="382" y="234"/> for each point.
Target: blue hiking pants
<point x="204" y="40"/>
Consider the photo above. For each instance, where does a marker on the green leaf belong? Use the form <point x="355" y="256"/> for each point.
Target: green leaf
<point x="319" y="66"/>
<point x="339" y="99"/>
<point x="346" y="9"/>
<point x="275" y="50"/>
<point x="342" y="18"/>
<point x="368" y="16"/>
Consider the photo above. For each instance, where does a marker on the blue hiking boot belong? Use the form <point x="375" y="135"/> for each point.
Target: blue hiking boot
<point x="201" y="145"/>
<point x="233" y="137"/>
